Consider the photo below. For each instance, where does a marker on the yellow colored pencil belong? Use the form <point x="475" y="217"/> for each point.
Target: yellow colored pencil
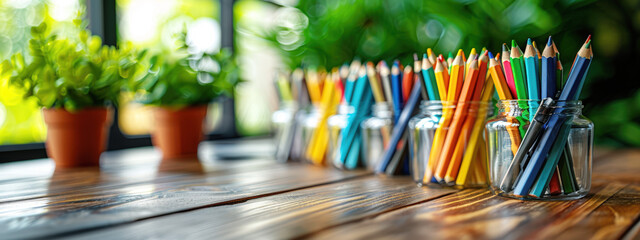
<point x="440" y="73"/>
<point x="376" y="88"/>
<point x="320" y="137"/>
<point x="476" y="135"/>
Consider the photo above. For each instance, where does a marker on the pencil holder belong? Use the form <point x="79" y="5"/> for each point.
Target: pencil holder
<point x="520" y="167"/>
<point x="336" y="124"/>
<point x="308" y="119"/>
<point x="376" y="133"/>
<point x="446" y="145"/>
<point x="283" y="124"/>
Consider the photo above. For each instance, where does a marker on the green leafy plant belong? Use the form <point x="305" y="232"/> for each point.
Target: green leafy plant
<point x="181" y="78"/>
<point x="72" y="72"/>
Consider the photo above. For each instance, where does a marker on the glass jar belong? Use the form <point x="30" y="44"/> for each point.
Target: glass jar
<point x="308" y="120"/>
<point x="283" y="124"/>
<point x="459" y="159"/>
<point x="565" y="139"/>
<point x="376" y="134"/>
<point x="336" y="124"/>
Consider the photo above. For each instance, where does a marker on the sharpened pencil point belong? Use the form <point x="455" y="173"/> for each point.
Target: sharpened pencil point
<point x="549" y="41"/>
<point x="424" y="55"/>
<point x="586" y="46"/>
<point x="529" y="41"/>
<point x="504" y="47"/>
<point x="513" y="43"/>
<point x="450" y="55"/>
<point x="459" y="53"/>
<point x="473" y="51"/>
<point x="415" y="57"/>
<point x="490" y="55"/>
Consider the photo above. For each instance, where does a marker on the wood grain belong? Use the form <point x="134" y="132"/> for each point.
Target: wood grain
<point x="111" y="206"/>
<point x="476" y="214"/>
<point x="623" y="166"/>
<point x="283" y="216"/>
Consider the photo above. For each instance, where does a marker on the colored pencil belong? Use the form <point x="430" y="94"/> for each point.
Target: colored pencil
<point x="396" y="90"/>
<point x="386" y="82"/>
<point x="376" y="87"/>
<point x="548" y="71"/>
<point x="532" y="80"/>
<point x="446" y="157"/>
<point x="432" y="56"/>
<point x="508" y="73"/>
<point x="442" y="80"/>
<point x="430" y="79"/>
<point x="407" y="84"/>
<point x="417" y="69"/>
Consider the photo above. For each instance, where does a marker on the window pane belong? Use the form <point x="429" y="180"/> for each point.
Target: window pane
<point x="255" y="98"/>
<point x="20" y="119"/>
<point x="153" y="24"/>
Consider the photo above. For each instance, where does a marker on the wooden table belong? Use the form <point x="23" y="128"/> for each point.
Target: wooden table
<point x="135" y="196"/>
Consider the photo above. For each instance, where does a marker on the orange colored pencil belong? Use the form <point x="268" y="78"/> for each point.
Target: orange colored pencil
<point x="449" y="146"/>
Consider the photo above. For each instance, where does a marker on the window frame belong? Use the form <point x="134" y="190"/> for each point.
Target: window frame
<point x="102" y="16"/>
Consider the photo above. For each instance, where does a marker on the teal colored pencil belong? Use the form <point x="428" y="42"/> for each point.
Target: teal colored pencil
<point x="429" y="78"/>
<point x="532" y="79"/>
<point x="552" y="161"/>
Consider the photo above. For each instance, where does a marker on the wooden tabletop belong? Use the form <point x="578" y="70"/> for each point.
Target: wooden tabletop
<point x="136" y="196"/>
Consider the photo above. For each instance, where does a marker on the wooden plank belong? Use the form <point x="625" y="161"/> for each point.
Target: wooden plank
<point x="282" y="216"/>
<point x="33" y="179"/>
<point x="476" y="214"/>
<point x="83" y="210"/>
<point x="623" y="166"/>
<point x="610" y="220"/>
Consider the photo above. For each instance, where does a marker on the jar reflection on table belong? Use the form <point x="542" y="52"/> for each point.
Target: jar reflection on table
<point x="571" y="176"/>
<point x="376" y="134"/>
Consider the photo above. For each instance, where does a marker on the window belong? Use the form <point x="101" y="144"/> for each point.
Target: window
<point x="20" y="120"/>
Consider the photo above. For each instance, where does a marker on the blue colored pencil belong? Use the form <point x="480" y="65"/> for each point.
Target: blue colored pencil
<point x="396" y="90"/>
<point x="548" y="69"/>
<point x="401" y="126"/>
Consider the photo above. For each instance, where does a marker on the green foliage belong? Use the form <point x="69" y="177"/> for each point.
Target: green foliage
<point x="330" y="32"/>
<point x="187" y="79"/>
<point x="73" y="73"/>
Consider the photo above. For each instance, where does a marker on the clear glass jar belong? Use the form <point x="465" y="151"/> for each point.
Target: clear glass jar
<point x="565" y="171"/>
<point x="309" y="121"/>
<point x="336" y="124"/>
<point x="376" y="134"/>
<point x="459" y="159"/>
<point x="283" y="124"/>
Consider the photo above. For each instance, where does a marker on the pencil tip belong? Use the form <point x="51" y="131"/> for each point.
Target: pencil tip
<point x="473" y="51"/>
<point x="513" y="43"/>
<point x="586" y="46"/>
<point x="459" y="52"/>
<point x="504" y="47"/>
<point x="450" y="55"/>
<point x="424" y="55"/>
<point x="588" y="38"/>
<point x="415" y="57"/>
<point x="529" y="41"/>
<point x="549" y="41"/>
<point x="490" y="55"/>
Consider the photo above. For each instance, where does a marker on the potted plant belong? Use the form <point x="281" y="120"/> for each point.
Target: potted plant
<point x="181" y="84"/>
<point x="75" y="79"/>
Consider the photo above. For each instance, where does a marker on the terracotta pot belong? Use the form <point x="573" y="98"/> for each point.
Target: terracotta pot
<point x="76" y="139"/>
<point x="178" y="132"/>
